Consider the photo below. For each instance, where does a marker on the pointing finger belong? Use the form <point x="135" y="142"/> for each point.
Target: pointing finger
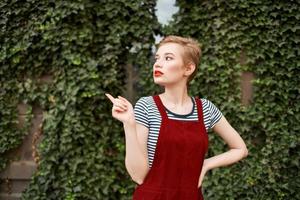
<point x="122" y="98"/>
<point x="111" y="98"/>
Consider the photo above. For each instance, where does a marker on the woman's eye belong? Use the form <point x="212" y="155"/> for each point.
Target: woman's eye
<point x="168" y="58"/>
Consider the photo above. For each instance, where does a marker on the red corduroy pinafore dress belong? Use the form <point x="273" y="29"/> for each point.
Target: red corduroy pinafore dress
<point x="178" y="159"/>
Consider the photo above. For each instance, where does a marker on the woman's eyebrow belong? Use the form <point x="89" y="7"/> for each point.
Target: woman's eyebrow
<point x="157" y="55"/>
<point x="170" y="54"/>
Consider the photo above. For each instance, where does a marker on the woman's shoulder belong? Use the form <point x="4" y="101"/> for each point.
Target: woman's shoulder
<point x="206" y="103"/>
<point x="144" y="99"/>
<point x="202" y="99"/>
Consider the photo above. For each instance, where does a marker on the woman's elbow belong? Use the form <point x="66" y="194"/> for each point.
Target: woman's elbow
<point x="139" y="178"/>
<point x="137" y="173"/>
<point x="245" y="152"/>
<point x="139" y="181"/>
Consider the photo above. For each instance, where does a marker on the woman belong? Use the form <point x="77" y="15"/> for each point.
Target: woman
<point x="166" y="134"/>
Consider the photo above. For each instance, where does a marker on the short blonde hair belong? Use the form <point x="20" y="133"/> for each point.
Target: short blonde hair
<point x="192" y="50"/>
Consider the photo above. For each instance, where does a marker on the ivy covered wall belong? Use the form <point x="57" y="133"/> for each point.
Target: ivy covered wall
<point x="84" y="47"/>
<point x="261" y="37"/>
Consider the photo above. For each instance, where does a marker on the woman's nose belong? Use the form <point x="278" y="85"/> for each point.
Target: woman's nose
<point x="158" y="63"/>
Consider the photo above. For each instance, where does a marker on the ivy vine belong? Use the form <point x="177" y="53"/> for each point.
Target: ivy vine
<point x="84" y="47"/>
<point x="267" y="34"/>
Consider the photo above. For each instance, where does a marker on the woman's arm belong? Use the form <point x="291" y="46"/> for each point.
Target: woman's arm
<point x="136" y="158"/>
<point x="237" y="148"/>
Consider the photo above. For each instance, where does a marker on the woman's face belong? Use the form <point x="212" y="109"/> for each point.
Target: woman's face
<point x="169" y="65"/>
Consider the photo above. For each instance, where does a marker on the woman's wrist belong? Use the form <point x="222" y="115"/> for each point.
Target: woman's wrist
<point x="129" y="122"/>
<point x="206" y="165"/>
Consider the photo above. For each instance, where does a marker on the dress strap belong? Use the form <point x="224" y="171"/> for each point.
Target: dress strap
<point x="199" y="109"/>
<point x="160" y="106"/>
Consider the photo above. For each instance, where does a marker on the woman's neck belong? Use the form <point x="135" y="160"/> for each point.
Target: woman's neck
<point x="176" y="96"/>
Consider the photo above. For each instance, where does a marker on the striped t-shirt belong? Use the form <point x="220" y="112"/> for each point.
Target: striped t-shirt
<point x="147" y="114"/>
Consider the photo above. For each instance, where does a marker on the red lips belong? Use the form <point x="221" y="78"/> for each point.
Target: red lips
<point x="158" y="73"/>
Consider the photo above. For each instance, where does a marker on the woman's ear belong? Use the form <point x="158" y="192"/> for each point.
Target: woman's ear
<point x="190" y="68"/>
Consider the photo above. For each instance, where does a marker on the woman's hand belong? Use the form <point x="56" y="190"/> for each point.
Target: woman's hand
<point x="122" y="109"/>
<point x="203" y="172"/>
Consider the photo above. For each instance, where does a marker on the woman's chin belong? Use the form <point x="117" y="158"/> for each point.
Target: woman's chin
<point x="158" y="82"/>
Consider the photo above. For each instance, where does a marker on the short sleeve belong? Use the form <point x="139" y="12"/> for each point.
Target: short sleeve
<point x="141" y="112"/>
<point x="215" y="114"/>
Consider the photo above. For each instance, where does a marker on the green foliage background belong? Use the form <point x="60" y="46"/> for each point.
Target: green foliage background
<point x="267" y="34"/>
<point x="85" y="45"/>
